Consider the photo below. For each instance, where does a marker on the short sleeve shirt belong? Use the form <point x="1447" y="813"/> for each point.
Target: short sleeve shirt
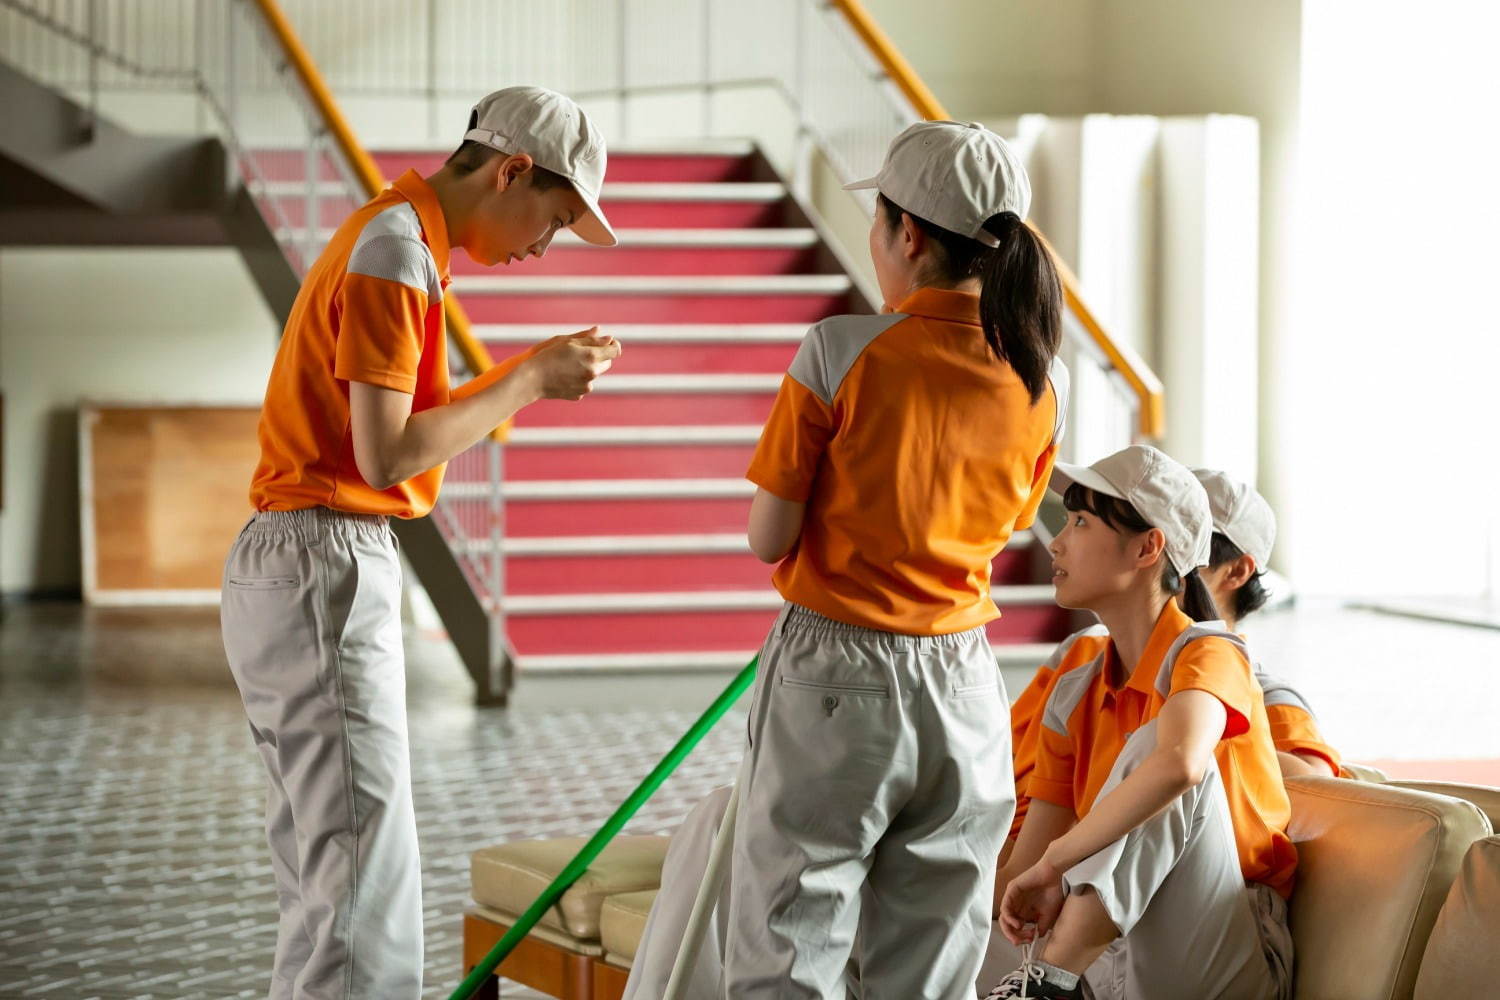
<point x="370" y="310"/>
<point x="1294" y="728"/>
<point x="1091" y="712"/>
<point x="1026" y="710"/>
<point x="918" y="454"/>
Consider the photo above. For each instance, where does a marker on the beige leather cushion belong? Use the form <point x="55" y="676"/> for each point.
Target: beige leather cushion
<point x="1375" y="863"/>
<point x="1364" y="772"/>
<point x="510" y="877"/>
<point x="622" y="921"/>
<point x="1462" y="959"/>
<point x="590" y="949"/>
<point x="1483" y="796"/>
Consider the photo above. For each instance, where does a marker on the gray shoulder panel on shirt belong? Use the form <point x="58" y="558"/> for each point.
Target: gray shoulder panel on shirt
<point x="1062" y="385"/>
<point x="390" y="246"/>
<point x="1055" y="660"/>
<point x="1200" y="630"/>
<point x="1279" y="692"/>
<point x="1067" y="692"/>
<point x="831" y="348"/>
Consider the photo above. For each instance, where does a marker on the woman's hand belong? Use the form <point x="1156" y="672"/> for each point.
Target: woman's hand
<point x="1033" y="899"/>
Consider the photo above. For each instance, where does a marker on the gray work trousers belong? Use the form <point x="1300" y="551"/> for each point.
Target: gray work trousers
<point x="875" y="796"/>
<point x="1190" y="926"/>
<point x="312" y="630"/>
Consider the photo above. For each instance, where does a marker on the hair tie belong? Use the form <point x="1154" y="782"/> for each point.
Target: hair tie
<point x="1002" y="225"/>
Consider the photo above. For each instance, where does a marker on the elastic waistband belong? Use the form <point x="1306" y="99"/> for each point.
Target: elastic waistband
<point x="800" y="619"/>
<point x="315" y="520"/>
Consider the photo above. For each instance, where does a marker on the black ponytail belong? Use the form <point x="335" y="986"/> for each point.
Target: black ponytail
<point x="1192" y="593"/>
<point x="1020" y="301"/>
<point x="1020" y="296"/>
<point x="1190" y="590"/>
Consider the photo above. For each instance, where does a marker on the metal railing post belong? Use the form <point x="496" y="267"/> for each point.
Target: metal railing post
<point x="90" y="125"/>
<point x="621" y="41"/>
<point x="432" y="65"/>
<point x="313" y="214"/>
<point x="498" y="652"/>
<point x="707" y="121"/>
<point x="231" y="87"/>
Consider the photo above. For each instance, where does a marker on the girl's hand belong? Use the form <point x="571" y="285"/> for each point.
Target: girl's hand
<point x="1032" y="902"/>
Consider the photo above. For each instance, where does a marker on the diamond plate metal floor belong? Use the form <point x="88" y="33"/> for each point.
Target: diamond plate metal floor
<point x="132" y="857"/>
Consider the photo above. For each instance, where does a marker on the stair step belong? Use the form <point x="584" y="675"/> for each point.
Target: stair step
<point x="658" y="563"/>
<point x="604" y="489"/>
<point x="716" y="627"/>
<point x="710" y="160"/>
<point x="629" y="191"/>
<point x="554" y="437"/>
<point x="701" y="239"/>
<point x="655" y="333"/>
<point x="573" y="545"/>
<point x="790" y="237"/>
<point x="650" y="284"/>
<point x="574" y="603"/>
<point x="687" y="409"/>
<point x="571" y="309"/>
<point x="735" y="210"/>
<point x="620" y="545"/>
<point x="1019" y="655"/>
<point x="654" y="356"/>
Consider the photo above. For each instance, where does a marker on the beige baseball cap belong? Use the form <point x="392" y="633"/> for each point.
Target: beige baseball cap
<point x="953" y="175"/>
<point x="1240" y="514"/>
<point x="1161" y="489"/>
<point x="557" y="135"/>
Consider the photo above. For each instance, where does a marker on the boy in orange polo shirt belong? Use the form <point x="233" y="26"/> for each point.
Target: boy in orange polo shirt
<point x="358" y="423"/>
<point x="1155" y="849"/>
<point x="1244" y="532"/>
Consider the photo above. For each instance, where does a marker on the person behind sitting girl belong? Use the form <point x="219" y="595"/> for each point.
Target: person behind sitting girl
<point x="1244" y="532"/>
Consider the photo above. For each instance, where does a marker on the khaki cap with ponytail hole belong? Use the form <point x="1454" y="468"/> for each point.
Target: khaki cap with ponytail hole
<point x="1241" y="514"/>
<point x="1162" y="490"/>
<point x="957" y="176"/>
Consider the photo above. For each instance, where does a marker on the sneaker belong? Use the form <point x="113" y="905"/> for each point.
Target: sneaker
<point x="1029" y="983"/>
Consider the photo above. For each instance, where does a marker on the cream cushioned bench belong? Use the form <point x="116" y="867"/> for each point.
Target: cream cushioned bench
<point x="1377" y="864"/>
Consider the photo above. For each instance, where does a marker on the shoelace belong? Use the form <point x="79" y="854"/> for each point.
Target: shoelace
<point x="1017" y="984"/>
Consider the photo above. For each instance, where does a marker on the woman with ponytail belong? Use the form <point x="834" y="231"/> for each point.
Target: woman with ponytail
<point x="903" y="451"/>
<point x="1154" y="859"/>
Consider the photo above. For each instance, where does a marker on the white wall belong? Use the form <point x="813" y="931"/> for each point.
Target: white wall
<point x="115" y="325"/>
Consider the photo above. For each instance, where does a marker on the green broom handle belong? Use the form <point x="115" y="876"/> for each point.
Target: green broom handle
<point x="585" y="857"/>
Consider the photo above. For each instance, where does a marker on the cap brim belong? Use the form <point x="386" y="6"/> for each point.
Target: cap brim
<point x="1065" y="475"/>
<point x="868" y="184"/>
<point x="592" y="226"/>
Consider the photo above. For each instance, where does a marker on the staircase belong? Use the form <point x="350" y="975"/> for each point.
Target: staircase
<point x="625" y="514"/>
<point x="607" y="534"/>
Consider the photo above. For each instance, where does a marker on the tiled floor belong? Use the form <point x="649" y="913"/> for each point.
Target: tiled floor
<point x="132" y="863"/>
<point x="132" y="859"/>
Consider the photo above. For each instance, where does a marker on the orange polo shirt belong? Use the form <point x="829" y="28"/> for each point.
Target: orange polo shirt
<point x="1092" y="710"/>
<point x="370" y="310"/>
<point x="917" y="452"/>
<point x="1026" y="710"/>
<point x="1294" y="729"/>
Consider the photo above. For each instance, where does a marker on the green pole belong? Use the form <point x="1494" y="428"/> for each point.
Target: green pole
<point x="585" y="857"/>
